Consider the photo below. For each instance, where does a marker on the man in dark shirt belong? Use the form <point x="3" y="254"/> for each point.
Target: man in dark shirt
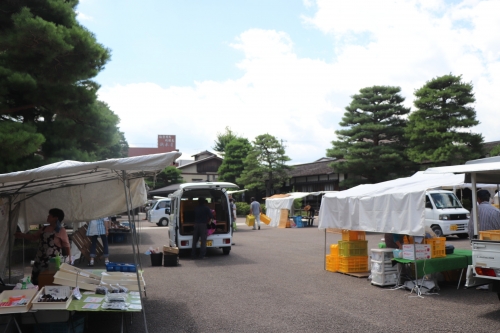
<point x="202" y="216"/>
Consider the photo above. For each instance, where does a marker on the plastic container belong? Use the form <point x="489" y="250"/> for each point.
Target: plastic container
<point x="353" y="248"/>
<point x="348" y="235"/>
<point x="250" y="220"/>
<point x="385" y="279"/>
<point x="334" y="249"/>
<point x="111" y="267"/>
<point x="170" y="260"/>
<point x="264" y="218"/>
<point x="382" y="254"/>
<point x="353" y="264"/>
<point x="156" y="259"/>
<point x="332" y="263"/>
<point x="298" y="221"/>
<point x="397" y="253"/>
<point x="382" y="266"/>
<point x="493" y="235"/>
<point x="438" y="246"/>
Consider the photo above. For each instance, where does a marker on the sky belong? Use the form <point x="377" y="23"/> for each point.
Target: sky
<point x="283" y="67"/>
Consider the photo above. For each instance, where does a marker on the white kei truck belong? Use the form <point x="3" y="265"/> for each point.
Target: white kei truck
<point x="182" y="205"/>
<point x="485" y="268"/>
<point x="445" y="215"/>
<point x="159" y="212"/>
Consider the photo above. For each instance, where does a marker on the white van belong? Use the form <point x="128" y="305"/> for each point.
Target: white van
<point x="445" y="214"/>
<point x="183" y="202"/>
<point x="159" y="212"/>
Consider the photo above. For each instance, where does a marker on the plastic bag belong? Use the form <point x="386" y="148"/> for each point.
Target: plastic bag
<point x="115" y="306"/>
<point x="101" y="290"/>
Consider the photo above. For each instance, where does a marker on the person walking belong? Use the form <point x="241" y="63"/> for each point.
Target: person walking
<point x="202" y="217"/>
<point x="255" y="210"/>
<point x="98" y="228"/>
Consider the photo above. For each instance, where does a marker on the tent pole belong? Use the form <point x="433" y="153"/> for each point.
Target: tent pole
<point x="124" y="174"/>
<point x="324" y="257"/>
<point x="10" y="240"/>
<point x="134" y="231"/>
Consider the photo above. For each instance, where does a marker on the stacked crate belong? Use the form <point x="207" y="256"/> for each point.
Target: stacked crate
<point x="438" y="246"/>
<point x="353" y="252"/>
<point x="332" y="259"/>
<point x="383" y="273"/>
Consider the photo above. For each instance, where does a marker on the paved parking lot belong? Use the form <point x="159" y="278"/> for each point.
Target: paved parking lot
<point x="274" y="281"/>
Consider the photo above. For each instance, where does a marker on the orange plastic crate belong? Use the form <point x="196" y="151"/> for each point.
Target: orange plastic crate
<point x="489" y="235"/>
<point x="332" y="263"/>
<point x="348" y="235"/>
<point x="353" y="248"/>
<point x="438" y="246"/>
<point x="353" y="264"/>
<point x="334" y="249"/>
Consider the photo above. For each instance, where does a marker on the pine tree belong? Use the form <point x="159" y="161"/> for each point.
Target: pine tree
<point x="371" y="149"/>
<point x="437" y="130"/>
<point x="235" y="153"/>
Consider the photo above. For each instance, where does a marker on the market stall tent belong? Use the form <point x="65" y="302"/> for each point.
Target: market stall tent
<point x="285" y="201"/>
<point x="395" y="206"/>
<point x="83" y="190"/>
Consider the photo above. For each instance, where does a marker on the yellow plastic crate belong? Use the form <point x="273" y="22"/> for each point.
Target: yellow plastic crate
<point x="353" y="248"/>
<point x="438" y="246"/>
<point x="408" y="239"/>
<point x="332" y="263"/>
<point x="334" y="249"/>
<point x="349" y="235"/>
<point x="493" y="235"/>
<point x="353" y="264"/>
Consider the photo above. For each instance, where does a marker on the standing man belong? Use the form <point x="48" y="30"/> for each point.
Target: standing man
<point x="255" y="210"/>
<point x="232" y="208"/>
<point x="202" y="217"/>
<point x="489" y="216"/>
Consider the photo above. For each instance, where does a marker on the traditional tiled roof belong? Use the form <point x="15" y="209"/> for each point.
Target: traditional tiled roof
<point x="320" y="167"/>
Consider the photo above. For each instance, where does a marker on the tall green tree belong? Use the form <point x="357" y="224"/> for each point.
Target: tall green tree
<point x="438" y="130"/>
<point x="223" y="139"/>
<point x="265" y="166"/>
<point x="169" y="176"/>
<point x="372" y="147"/>
<point x="47" y="97"/>
<point x="235" y="153"/>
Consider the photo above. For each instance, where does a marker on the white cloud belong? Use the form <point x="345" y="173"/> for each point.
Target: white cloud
<point x="301" y="100"/>
<point x="279" y="94"/>
<point x="82" y="17"/>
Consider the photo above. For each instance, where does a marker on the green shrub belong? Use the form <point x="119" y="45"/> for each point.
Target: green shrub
<point x="242" y="208"/>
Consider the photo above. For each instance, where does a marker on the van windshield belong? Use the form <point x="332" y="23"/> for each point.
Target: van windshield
<point x="445" y="200"/>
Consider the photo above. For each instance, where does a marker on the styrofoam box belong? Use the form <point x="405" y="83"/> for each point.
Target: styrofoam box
<point x="382" y="254"/>
<point x="51" y="305"/>
<point x="29" y="293"/>
<point x="416" y="251"/>
<point x="383" y="266"/>
<point x="385" y="279"/>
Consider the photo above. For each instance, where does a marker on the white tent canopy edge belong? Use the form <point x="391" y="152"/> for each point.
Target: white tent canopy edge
<point x="395" y="206"/>
<point x="274" y="206"/>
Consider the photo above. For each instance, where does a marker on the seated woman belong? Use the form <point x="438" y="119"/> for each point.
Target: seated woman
<point x="53" y="241"/>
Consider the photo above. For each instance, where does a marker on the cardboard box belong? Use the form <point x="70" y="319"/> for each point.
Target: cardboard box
<point x="29" y="293"/>
<point x="170" y="250"/>
<point x="61" y="291"/>
<point x="416" y="251"/>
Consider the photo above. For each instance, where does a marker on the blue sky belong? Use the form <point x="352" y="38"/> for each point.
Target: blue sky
<point x="283" y="67"/>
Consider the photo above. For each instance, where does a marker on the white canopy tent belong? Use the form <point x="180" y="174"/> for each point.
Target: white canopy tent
<point x="83" y="190"/>
<point x="275" y="205"/>
<point x="395" y="206"/>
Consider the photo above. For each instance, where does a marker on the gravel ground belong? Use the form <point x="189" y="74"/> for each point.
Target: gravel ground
<point x="274" y="281"/>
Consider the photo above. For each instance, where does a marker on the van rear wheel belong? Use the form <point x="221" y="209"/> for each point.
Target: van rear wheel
<point x="437" y="230"/>
<point x="163" y="222"/>
<point x="226" y="250"/>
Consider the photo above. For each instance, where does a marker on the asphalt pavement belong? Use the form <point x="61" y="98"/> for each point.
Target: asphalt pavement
<point x="274" y="281"/>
